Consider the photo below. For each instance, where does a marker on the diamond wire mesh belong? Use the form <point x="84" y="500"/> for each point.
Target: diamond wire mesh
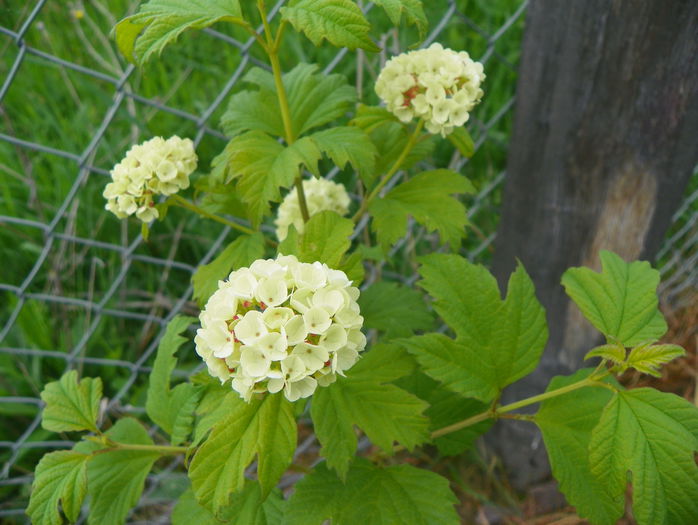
<point x="80" y="270"/>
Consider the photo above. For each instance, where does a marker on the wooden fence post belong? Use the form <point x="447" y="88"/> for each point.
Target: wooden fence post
<point x="605" y="139"/>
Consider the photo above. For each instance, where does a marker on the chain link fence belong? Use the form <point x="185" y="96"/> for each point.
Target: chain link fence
<point x="80" y="289"/>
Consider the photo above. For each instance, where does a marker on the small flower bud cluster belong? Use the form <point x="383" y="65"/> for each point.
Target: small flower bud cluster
<point x="156" y="167"/>
<point x="281" y="325"/>
<point x="438" y="85"/>
<point x="320" y="195"/>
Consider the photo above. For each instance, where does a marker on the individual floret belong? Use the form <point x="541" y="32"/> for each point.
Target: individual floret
<point x="438" y="85"/>
<point x="281" y="325"/>
<point x="156" y="167"/>
<point x="320" y="195"/>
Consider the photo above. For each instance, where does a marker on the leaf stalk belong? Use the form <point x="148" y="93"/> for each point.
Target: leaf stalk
<point x="393" y="169"/>
<point x="177" y="200"/>
<point x="272" y="47"/>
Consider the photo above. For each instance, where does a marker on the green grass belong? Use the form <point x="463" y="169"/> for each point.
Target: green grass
<point x="55" y="106"/>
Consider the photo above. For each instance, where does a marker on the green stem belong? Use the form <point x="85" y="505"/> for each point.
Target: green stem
<point x="184" y="203"/>
<point x="396" y="166"/>
<point x="272" y="48"/>
<point x="502" y="411"/>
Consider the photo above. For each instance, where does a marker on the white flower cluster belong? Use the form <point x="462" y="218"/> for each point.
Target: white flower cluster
<point x="438" y="85"/>
<point x="320" y="195"/>
<point x="156" y="167"/>
<point x="281" y="324"/>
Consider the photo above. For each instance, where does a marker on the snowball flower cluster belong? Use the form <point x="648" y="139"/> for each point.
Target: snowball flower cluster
<point x="281" y="324"/>
<point x="438" y="85"/>
<point x="320" y="195"/>
<point x="156" y="167"/>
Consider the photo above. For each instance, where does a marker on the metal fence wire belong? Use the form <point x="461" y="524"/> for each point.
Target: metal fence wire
<point x="80" y="289"/>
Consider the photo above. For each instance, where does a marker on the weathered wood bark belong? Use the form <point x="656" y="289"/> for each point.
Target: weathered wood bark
<point x="605" y="139"/>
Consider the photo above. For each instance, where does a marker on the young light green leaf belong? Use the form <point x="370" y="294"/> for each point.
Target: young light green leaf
<point x="250" y="507"/>
<point x="427" y="198"/>
<point x="341" y="22"/>
<point x="613" y="352"/>
<point x="115" y="479"/>
<point x="369" y="118"/>
<point x="71" y="405"/>
<point x="386" y="413"/>
<point x="396" y="310"/>
<point x="398" y="495"/>
<point x="647" y="358"/>
<point x="247" y="508"/>
<point x="188" y="511"/>
<point x="498" y="342"/>
<point x="353" y="266"/>
<point x="566" y="422"/>
<point x="315" y="98"/>
<point x="389" y="137"/>
<point x="654" y="436"/>
<point x="265" y="427"/>
<point x="160" y="22"/>
<point x="262" y="166"/>
<point x="290" y="245"/>
<point x="172" y="409"/>
<point x="253" y="110"/>
<point x="621" y="301"/>
<point x="212" y="408"/>
<point x="326" y="239"/>
<point x="412" y="9"/>
<point x="447" y="408"/>
<point x="59" y="477"/>
<point x="243" y="251"/>
<point x="345" y="144"/>
<point x="463" y="142"/>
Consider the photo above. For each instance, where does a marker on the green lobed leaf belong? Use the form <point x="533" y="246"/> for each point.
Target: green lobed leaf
<point x="341" y="22"/>
<point x="463" y="142"/>
<point x="265" y="427"/>
<point x="158" y="23"/>
<point x="447" y="408"/>
<point x="115" y="479"/>
<point x="621" y="301"/>
<point x="172" y="409"/>
<point x="412" y="9"/>
<point x="247" y="508"/>
<point x="385" y="412"/>
<point x="353" y="266"/>
<point x="253" y="110"/>
<point x="613" y="352"/>
<point x="314" y="99"/>
<point x="326" y="238"/>
<point x="654" y="436"/>
<point x="60" y="477"/>
<point x="371" y="495"/>
<point x="368" y="118"/>
<point x="243" y="251"/>
<point x="290" y="245"/>
<point x="212" y="408"/>
<point x="348" y="145"/>
<point x="262" y="166"/>
<point x="566" y="422"/>
<point x="396" y="310"/>
<point x="71" y="405"/>
<point x="250" y="507"/>
<point x="647" y="358"/>
<point x="427" y="198"/>
<point x="497" y="343"/>
<point x="389" y="137"/>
